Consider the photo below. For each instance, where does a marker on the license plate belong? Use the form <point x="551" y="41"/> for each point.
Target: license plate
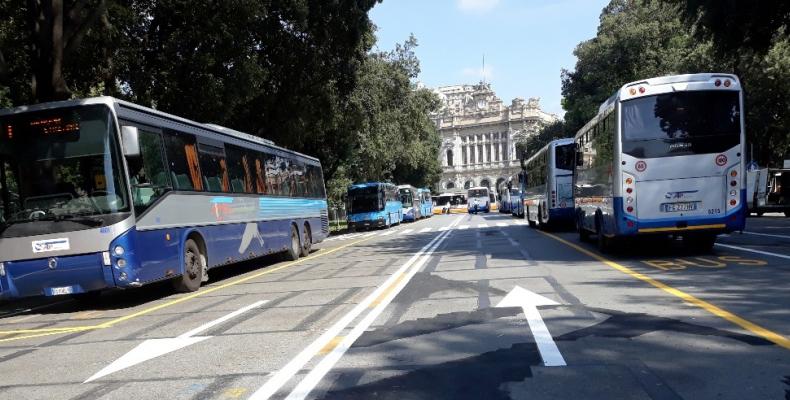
<point x="678" y="207"/>
<point x="57" y="291"/>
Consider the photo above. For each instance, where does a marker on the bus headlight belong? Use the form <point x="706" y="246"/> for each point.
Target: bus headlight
<point x="2" y="269"/>
<point x="118" y="250"/>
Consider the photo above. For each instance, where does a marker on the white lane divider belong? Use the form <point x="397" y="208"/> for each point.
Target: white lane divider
<point x="405" y="231"/>
<point x="482" y="225"/>
<point x="370" y="234"/>
<point x="381" y="297"/>
<point x="463" y="226"/>
<point x="501" y="224"/>
<point x="423" y="230"/>
<point x="765" y="253"/>
<point x="389" y="232"/>
<point x="444" y="228"/>
<point x="767" y="235"/>
<point x="153" y="348"/>
<point x="529" y="303"/>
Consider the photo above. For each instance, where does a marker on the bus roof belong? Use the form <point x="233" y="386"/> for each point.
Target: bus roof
<point x="125" y="107"/>
<point x="368" y="184"/>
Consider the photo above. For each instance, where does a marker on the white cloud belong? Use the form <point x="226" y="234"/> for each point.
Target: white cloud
<point x="477" y="5"/>
<point x="478" y="73"/>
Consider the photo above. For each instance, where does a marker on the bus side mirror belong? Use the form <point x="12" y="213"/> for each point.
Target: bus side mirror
<point x="130" y="139"/>
<point x="579" y="159"/>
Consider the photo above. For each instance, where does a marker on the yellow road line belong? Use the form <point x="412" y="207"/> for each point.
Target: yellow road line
<point x="52" y="331"/>
<point x="387" y="291"/>
<point x="331" y="345"/>
<point x="713" y="309"/>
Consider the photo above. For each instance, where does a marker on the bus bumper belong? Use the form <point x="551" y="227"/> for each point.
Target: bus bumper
<point x="734" y="220"/>
<point x="367" y="223"/>
<point x="55" y="276"/>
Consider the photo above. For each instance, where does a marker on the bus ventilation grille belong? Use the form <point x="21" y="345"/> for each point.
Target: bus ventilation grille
<point x="325" y="221"/>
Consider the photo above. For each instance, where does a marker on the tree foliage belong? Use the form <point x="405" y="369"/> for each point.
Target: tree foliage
<point x="638" y="39"/>
<point x="299" y="72"/>
<point x="556" y="130"/>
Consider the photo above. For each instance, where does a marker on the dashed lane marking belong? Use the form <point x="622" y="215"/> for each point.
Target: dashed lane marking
<point x="423" y="230"/>
<point x="405" y="231"/>
<point x="482" y="225"/>
<point x="387" y="233"/>
<point x="463" y="226"/>
<point x="444" y="228"/>
<point x="501" y="224"/>
<point x="709" y="307"/>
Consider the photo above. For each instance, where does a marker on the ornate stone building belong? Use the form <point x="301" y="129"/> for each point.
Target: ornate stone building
<point x="479" y="135"/>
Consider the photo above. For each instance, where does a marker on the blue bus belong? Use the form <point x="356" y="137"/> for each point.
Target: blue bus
<point x="373" y="205"/>
<point x="548" y="194"/>
<point x="410" y="203"/>
<point x="664" y="157"/>
<point x="426" y="203"/>
<point x="100" y="193"/>
<point x="517" y="187"/>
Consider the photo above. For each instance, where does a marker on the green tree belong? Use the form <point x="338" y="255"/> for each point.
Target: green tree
<point x="555" y="130"/>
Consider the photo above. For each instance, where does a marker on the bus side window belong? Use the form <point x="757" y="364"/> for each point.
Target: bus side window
<point x="259" y="167"/>
<point x="213" y="168"/>
<point x="183" y="161"/>
<point x="238" y="172"/>
<point x="148" y="173"/>
<point x="9" y="192"/>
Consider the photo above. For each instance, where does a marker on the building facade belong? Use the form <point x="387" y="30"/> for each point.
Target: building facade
<point x="479" y="135"/>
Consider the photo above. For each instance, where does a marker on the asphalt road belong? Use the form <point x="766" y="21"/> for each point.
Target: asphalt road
<point x="445" y="308"/>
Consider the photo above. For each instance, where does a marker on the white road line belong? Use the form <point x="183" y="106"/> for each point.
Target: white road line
<point x="767" y="234"/>
<point x="282" y="376"/>
<point x="423" y="230"/>
<point x="463" y="226"/>
<point x="444" y="228"/>
<point x="765" y="253"/>
<point x="405" y="231"/>
<point x="482" y="225"/>
<point x="370" y="234"/>
<point x="501" y="224"/>
<point x="220" y="320"/>
<point x="389" y="232"/>
<point x="312" y="379"/>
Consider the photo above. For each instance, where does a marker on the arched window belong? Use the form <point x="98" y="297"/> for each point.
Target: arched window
<point x="486" y="183"/>
<point x="468" y="184"/>
<point x="449" y="158"/>
<point x="450" y="185"/>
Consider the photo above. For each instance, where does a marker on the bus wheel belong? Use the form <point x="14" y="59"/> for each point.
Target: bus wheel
<point x="194" y="264"/>
<point x="308" y="240"/>
<point x="701" y="242"/>
<point x="532" y="224"/>
<point x="292" y="254"/>
<point x="604" y="243"/>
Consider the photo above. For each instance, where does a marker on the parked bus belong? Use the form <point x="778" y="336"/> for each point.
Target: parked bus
<point x="100" y="193"/>
<point x="504" y="198"/>
<point x="664" y="156"/>
<point x="481" y="197"/>
<point x="770" y="191"/>
<point x="373" y="205"/>
<point x="426" y="203"/>
<point x="448" y="203"/>
<point x="548" y="193"/>
<point x="410" y="202"/>
<point x="515" y="186"/>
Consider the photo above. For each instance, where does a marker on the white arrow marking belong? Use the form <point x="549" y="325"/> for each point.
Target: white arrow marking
<point x="529" y="302"/>
<point x="156" y="347"/>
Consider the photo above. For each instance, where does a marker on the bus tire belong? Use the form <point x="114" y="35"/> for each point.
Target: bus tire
<point x="307" y="244"/>
<point x="604" y="243"/>
<point x="294" y="247"/>
<point x="701" y="242"/>
<point x="194" y="265"/>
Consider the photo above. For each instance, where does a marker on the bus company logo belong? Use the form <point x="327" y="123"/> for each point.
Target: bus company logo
<point x="641" y="166"/>
<point x="721" y="160"/>
<point x="43" y="246"/>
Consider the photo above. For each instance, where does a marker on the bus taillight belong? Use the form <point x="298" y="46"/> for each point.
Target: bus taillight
<point x="629" y="186"/>
<point x="735" y="187"/>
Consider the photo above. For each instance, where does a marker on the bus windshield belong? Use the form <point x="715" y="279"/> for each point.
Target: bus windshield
<point x="60" y="171"/>
<point x="406" y="198"/>
<point x="681" y="123"/>
<point x="478" y="193"/>
<point x="364" y="199"/>
<point x="564" y="156"/>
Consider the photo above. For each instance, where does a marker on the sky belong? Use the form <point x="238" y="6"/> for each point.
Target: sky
<point x="526" y="43"/>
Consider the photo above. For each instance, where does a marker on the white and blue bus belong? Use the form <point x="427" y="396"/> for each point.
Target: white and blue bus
<point x="373" y="205"/>
<point x="100" y="193"/>
<point x="548" y="193"/>
<point x="410" y="202"/>
<point x="478" y="199"/>
<point x="426" y="203"/>
<point x="664" y="156"/>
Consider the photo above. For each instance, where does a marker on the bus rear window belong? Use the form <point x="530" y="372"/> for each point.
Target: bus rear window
<point x="564" y="156"/>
